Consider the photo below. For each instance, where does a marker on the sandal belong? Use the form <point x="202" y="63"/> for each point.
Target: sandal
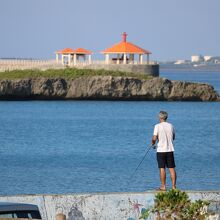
<point x="159" y="189"/>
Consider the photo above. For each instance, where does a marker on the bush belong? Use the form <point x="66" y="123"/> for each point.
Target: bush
<point x="175" y="204"/>
<point x="67" y="73"/>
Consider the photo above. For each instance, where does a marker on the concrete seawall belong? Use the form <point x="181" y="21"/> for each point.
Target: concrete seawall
<point x="148" y="69"/>
<point x="109" y="206"/>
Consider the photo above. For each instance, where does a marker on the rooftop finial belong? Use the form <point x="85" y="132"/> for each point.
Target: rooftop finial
<point x="124" y="36"/>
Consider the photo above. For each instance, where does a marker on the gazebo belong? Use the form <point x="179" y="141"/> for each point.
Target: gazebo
<point x="66" y="55"/>
<point x="124" y="49"/>
<point x="81" y="52"/>
<point x="70" y="56"/>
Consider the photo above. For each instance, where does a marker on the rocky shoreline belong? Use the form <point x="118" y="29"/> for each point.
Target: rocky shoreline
<point x="106" y="88"/>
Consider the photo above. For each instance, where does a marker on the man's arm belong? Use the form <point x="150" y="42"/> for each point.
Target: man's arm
<point x="154" y="139"/>
<point x="155" y="135"/>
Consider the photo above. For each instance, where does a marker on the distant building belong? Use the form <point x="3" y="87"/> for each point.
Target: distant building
<point x="197" y="58"/>
<point x="208" y="58"/>
<point x="215" y="60"/>
<point x="178" y="62"/>
<point x="205" y="59"/>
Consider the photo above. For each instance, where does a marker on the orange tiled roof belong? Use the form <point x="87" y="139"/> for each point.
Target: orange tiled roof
<point x="126" y="47"/>
<point x="66" y="51"/>
<point x="72" y="51"/>
<point x="82" y="51"/>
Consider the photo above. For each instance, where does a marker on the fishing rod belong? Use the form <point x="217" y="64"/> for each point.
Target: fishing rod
<point x="148" y="149"/>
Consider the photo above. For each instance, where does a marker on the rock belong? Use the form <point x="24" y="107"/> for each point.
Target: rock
<point x="106" y="88"/>
<point x="15" y="89"/>
<point x="49" y="88"/>
<point x="157" y="89"/>
<point x="188" y="91"/>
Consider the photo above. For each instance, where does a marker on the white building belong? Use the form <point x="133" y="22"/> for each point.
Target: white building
<point x="197" y="58"/>
<point x="207" y="58"/>
<point x="178" y="62"/>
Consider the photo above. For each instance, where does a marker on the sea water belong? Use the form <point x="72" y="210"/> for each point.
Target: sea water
<point x="95" y="146"/>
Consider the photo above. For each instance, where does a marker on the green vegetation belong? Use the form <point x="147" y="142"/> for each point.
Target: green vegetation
<point x="175" y="204"/>
<point x="68" y="73"/>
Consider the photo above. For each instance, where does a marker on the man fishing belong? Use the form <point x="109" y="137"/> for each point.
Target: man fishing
<point x="164" y="133"/>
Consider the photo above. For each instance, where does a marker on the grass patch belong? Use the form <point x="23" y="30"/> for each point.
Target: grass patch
<point x="68" y="73"/>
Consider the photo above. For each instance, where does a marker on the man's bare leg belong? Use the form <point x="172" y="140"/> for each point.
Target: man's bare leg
<point x="163" y="178"/>
<point x="173" y="177"/>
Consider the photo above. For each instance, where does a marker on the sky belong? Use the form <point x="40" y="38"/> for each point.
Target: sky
<point x="170" y="29"/>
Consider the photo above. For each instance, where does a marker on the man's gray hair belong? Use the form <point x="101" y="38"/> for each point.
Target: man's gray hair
<point x="163" y="115"/>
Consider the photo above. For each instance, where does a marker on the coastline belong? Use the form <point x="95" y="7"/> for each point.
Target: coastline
<point x="105" y="87"/>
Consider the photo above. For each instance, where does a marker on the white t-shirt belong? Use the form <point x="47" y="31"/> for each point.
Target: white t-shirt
<point x="165" y="133"/>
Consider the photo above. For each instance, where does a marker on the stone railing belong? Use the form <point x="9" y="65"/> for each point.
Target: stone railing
<point x="21" y="64"/>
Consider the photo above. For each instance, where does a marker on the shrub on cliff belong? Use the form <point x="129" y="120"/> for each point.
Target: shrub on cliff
<point x="175" y="204"/>
<point x="68" y="73"/>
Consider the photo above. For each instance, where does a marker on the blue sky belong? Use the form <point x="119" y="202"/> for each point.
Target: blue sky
<point x="171" y="29"/>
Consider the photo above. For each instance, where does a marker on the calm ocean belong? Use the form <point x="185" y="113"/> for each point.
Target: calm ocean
<point x="94" y="146"/>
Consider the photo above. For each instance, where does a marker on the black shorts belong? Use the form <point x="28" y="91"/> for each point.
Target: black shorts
<point x="165" y="159"/>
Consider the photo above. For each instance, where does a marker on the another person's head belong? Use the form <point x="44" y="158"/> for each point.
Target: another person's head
<point x="163" y="115"/>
